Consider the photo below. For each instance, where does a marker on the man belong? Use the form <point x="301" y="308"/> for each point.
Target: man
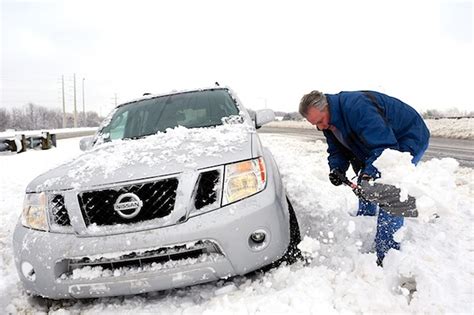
<point x="358" y="127"/>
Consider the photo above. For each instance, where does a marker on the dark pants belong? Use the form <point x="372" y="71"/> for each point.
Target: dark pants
<point x="387" y="224"/>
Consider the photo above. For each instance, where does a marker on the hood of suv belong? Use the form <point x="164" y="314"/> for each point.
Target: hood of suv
<point x="176" y="151"/>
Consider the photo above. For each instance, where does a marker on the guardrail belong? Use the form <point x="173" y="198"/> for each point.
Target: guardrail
<point x="20" y="141"/>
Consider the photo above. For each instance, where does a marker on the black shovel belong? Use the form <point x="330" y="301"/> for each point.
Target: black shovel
<point x="386" y="196"/>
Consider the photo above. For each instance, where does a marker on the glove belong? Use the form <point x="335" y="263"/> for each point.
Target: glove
<point x="336" y="177"/>
<point x="364" y="177"/>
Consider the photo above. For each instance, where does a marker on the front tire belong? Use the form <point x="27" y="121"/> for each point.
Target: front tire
<point x="293" y="253"/>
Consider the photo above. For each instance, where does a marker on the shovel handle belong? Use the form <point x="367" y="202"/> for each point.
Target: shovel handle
<point x="355" y="188"/>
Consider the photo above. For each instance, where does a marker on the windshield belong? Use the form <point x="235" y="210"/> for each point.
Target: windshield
<point x="190" y="109"/>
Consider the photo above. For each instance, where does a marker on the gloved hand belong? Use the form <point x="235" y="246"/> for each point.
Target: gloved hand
<point x="364" y="177"/>
<point x="336" y="177"/>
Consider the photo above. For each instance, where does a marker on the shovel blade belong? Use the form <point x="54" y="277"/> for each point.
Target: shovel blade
<point x="388" y="198"/>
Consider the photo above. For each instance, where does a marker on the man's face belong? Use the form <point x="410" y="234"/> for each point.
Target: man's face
<point x="319" y="118"/>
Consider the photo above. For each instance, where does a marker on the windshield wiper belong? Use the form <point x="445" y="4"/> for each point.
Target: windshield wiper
<point x="140" y="136"/>
<point x="204" y="126"/>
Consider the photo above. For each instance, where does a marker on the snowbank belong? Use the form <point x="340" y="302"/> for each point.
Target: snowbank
<point x="447" y="128"/>
<point x="452" y="128"/>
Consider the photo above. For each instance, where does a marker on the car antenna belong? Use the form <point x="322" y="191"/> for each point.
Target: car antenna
<point x="217" y="83"/>
<point x="146" y="94"/>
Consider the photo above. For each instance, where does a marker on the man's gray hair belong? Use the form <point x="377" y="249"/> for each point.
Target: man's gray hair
<point x="314" y="99"/>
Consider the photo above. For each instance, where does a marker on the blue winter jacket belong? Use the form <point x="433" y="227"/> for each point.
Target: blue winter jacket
<point x="370" y="126"/>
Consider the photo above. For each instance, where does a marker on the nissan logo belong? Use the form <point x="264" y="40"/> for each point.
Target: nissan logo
<point x="128" y="205"/>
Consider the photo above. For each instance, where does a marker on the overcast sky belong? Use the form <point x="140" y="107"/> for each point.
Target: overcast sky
<point x="269" y="52"/>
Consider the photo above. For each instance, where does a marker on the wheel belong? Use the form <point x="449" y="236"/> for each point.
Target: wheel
<point x="39" y="302"/>
<point x="292" y="254"/>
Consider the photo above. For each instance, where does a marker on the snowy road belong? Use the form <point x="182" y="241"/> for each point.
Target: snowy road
<point x="461" y="150"/>
<point x="436" y="255"/>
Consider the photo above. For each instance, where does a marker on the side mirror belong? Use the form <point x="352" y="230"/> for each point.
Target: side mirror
<point x="86" y="143"/>
<point x="263" y="116"/>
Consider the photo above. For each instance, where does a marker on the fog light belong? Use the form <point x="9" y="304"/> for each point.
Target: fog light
<point x="28" y="271"/>
<point x="258" y="236"/>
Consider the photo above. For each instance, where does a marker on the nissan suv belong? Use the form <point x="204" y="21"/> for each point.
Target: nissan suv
<point x="173" y="190"/>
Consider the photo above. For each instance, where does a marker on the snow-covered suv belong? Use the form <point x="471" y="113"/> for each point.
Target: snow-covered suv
<point x="173" y="190"/>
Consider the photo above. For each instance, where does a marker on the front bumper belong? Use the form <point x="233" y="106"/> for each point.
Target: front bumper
<point x="229" y="228"/>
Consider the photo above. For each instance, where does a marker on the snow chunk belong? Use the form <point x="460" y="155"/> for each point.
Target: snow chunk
<point x="309" y="246"/>
<point x="226" y="289"/>
<point x="432" y="183"/>
<point x="351" y="227"/>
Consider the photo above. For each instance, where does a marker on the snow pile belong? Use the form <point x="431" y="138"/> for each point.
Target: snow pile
<point x="309" y="248"/>
<point x="435" y="257"/>
<point x="304" y="124"/>
<point x="432" y="183"/>
<point x="432" y="273"/>
<point x="180" y="145"/>
<point x="451" y="128"/>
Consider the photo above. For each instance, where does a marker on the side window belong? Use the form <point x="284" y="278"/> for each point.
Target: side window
<point x="117" y="128"/>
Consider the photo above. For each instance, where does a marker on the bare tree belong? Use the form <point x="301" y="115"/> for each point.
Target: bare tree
<point x="92" y="119"/>
<point x="4" y="119"/>
<point x="18" y="119"/>
<point x="31" y="117"/>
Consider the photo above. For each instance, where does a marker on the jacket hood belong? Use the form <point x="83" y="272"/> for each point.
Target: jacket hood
<point x="176" y="151"/>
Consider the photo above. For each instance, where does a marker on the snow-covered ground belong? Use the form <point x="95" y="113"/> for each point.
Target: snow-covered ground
<point x="452" y="128"/>
<point x="447" y="128"/>
<point x="436" y="260"/>
<point x="11" y="133"/>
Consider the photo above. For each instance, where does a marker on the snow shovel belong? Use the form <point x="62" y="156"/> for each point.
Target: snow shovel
<point x="386" y="196"/>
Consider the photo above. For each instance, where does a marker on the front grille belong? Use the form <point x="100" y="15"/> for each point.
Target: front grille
<point x="139" y="261"/>
<point x="206" y="193"/>
<point x="158" y="201"/>
<point x="58" y="210"/>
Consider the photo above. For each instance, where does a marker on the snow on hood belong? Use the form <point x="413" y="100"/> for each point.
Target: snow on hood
<point x="175" y="151"/>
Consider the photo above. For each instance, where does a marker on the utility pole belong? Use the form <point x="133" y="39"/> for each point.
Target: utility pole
<point x="64" y="103"/>
<point x="75" y="107"/>
<point x="83" y="104"/>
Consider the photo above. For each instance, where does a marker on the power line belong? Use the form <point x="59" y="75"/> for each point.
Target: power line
<point x="83" y="101"/>
<point x="64" y="103"/>
<point x="75" y="109"/>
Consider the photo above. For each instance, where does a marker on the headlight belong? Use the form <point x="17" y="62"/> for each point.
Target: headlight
<point x="244" y="179"/>
<point x="34" y="212"/>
